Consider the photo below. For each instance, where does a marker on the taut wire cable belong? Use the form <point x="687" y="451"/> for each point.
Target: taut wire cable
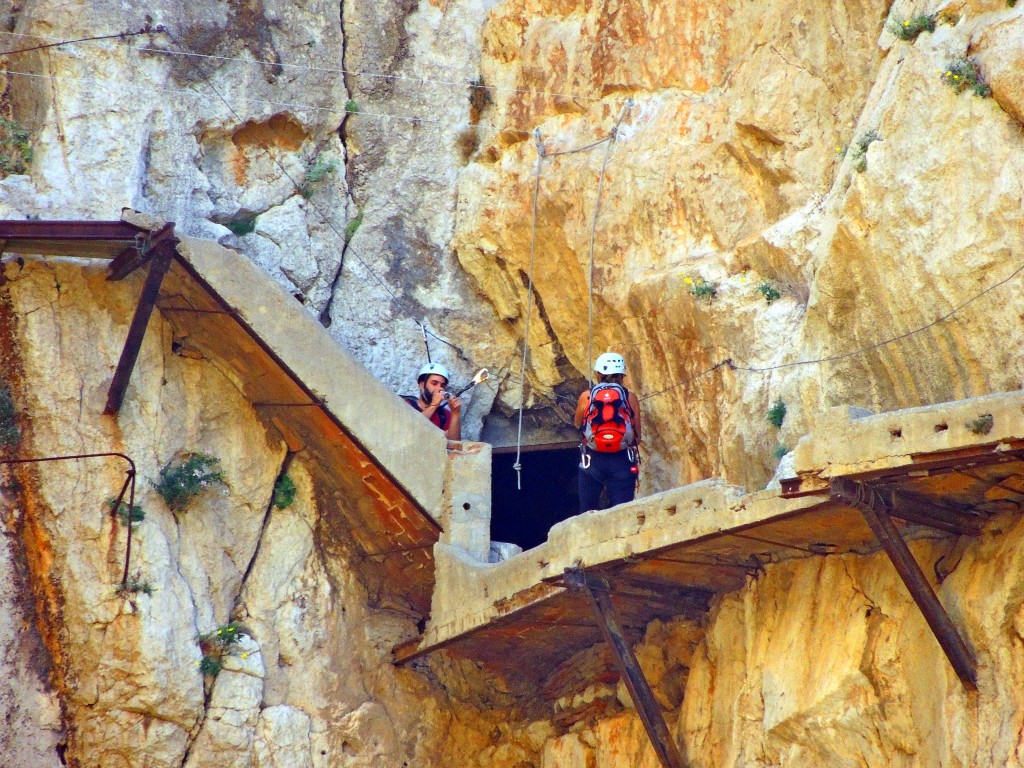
<point x="612" y="138"/>
<point x="517" y="466"/>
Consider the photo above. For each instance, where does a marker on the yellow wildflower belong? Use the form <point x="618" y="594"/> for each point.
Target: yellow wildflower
<point x="688" y="281"/>
<point x="245" y="655"/>
<point x="906" y="23"/>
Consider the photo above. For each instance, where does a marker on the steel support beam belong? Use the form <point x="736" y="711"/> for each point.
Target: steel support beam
<point x="15" y="231"/>
<point x="597" y="590"/>
<point x="877" y="513"/>
<point x="915" y="509"/>
<point x="158" y="267"/>
<point x="135" y="256"/>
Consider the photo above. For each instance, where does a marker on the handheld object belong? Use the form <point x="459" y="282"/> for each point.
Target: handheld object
<point x="478" y="377"/>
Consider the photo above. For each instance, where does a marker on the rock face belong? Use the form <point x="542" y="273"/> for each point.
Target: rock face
<point x="380" y="161"/>
<point x="725" y="173"/>
<point x="97" y="677"/>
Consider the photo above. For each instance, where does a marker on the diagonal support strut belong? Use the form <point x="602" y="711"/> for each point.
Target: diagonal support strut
<point x="158" y="267"/>
<point x="876" y="511"/>
<point x="640" y="692"/>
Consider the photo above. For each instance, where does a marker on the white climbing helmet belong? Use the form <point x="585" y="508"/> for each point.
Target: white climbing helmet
<point x="610" y="363"/>
<point x="431" y="369"/>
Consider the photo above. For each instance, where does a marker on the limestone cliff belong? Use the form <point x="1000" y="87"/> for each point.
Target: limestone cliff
<point x="379" y="161"/>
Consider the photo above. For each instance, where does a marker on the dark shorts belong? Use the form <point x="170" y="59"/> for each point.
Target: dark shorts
<point x="615" y="472"/>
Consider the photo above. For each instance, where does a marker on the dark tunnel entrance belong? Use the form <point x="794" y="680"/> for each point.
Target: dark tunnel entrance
<point x="548" y="493"/>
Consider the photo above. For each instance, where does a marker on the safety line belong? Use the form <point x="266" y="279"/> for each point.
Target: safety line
<point x="612" y="138"/>
<point x="121" y="35"/>
<point x="517" y="466"/>
<point x="728" y="362"/>
<point x="413" y="120"/>
<point x="302" y="67"/>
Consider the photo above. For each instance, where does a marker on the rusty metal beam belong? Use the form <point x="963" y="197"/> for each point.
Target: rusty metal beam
<point x="690" y="603"/>
<point x="915" y="509"/>
<point x="158" y="267"/>
<point x="15" y="231"/>
<point x="639" y="689"/>
<point x="133" y="257"/>
<point x="877" y="515"/>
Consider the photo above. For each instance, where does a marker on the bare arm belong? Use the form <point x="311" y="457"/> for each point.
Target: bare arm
<point x="634" y="404"/>
<point x="581" y="409"/>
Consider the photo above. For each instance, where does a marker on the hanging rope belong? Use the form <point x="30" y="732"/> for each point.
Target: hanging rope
<point x="425" y="342"/>
<point x="529" y="309"/>
<point x="593" y="233"/>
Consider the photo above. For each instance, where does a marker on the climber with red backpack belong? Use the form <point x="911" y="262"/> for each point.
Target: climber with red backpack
<point x="608" y="415"/>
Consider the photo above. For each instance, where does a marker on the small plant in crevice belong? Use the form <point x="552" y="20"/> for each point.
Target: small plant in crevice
<point x="15" y="150"/>
<point x="909" y="29"/>
<point x="316" y="172"/>
<point x="948" y="17"/>
<point x="963" y="74"/>
<point x="351" y="107"/>
<point x="9" y="432"/>
<point x="217" y="644"/>
<point x="210" y="666"/>
<point x="352" y="226"/>
<point x="1011" y="3"/>
<point x="779" y="452"/>
<point x="284" y="492"/>
<point x="136" y="516"/>
<point x="182" y="481"/>
<point x="701" y="288"/>
<point x="468" y="142"/>
<point x="242" y="225"/>
<point x="981" y="425"/>
<point x="133" y="587"/>
<point x="859" y="150"/>
<point x="767" y="289"/>
<point x="777" y="413"/>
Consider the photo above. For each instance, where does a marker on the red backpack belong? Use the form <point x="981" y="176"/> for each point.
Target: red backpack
<point x="608" y="425"/>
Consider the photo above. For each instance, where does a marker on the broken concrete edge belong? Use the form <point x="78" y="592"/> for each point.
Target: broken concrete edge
<point x="406" y="445"/>
<point x="468" y="594"/>
<point x="849" y="440"/>
<point x="466" y="514"/>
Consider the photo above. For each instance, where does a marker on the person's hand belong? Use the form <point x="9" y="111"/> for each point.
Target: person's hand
<point x="437" y="398"/>
<point x="455" y="403"/>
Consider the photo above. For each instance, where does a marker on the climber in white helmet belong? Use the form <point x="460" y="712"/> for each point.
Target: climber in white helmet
<point x="443" y="410"/>
<point x="608" y="416"/>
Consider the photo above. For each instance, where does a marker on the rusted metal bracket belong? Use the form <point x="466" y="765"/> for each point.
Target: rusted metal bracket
<point x="877" y="513"/>
<point x="135" y="256"/>
<point x="942" y="517"/>
<point x="158" y="267"/>
<point x="597" y="590"/>
<point x="127" y="487"/>
<point x="689" y="603"/>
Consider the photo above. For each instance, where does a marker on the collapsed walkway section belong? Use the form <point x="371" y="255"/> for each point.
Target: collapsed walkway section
<point x="859" y="483"/>
<point x="375" y="461"/>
